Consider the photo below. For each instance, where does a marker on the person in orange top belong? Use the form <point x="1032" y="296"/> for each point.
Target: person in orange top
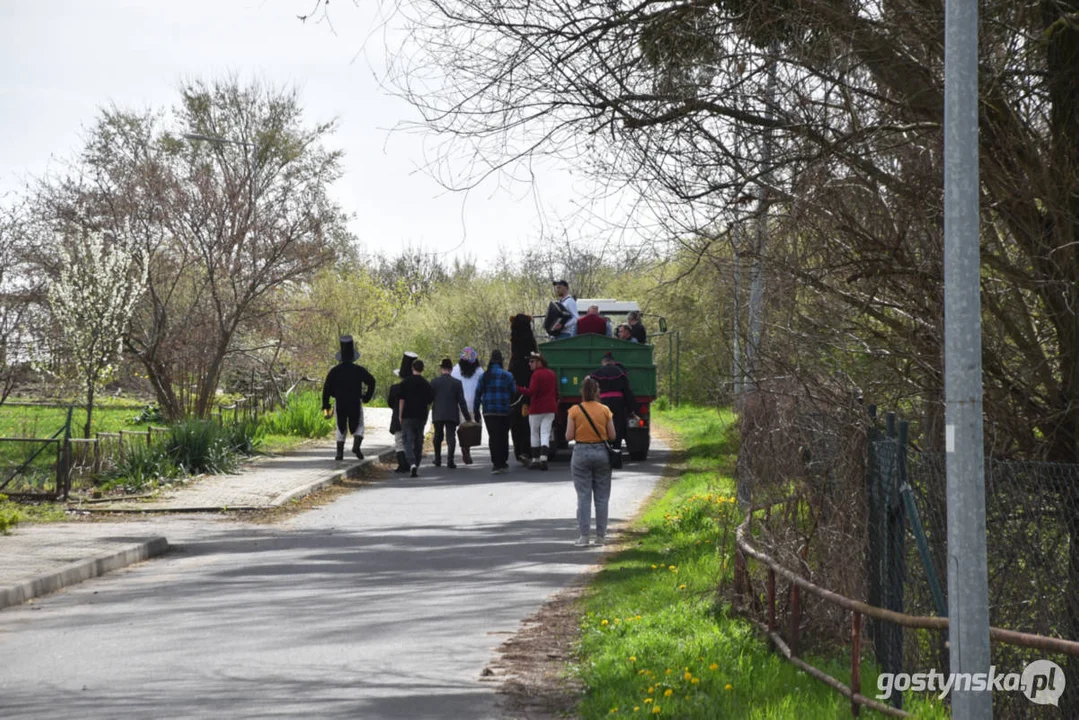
<point x="542" y="394"/>
<point x="590" y="466"/>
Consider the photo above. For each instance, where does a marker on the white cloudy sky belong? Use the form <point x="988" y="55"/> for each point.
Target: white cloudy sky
<point x="64" y="59"/>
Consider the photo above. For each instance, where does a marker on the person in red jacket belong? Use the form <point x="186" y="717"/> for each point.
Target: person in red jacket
<point x="593" y="322"/>
<point x="542" y="394"/>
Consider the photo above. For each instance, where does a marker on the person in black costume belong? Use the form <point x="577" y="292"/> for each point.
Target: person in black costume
<point x="522" y="345"/>
<point x="615" y="393"/>
<point x="350" y="385"/>
<point x="392" y="398"/>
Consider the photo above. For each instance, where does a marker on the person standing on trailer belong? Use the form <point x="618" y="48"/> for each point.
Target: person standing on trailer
<point x="350" y="386"/>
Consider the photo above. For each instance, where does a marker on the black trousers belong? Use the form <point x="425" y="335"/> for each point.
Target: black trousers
<point x="520" y="432"/>
<point x="498" y="438"/>
<point x="412" y="429"/>
<point x="447" y="429"/>
<point x="618" y="410"/>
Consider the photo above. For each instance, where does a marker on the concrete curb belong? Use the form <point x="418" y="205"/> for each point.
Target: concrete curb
<point x="82" y="570"/>
<point x="299" y="492"/>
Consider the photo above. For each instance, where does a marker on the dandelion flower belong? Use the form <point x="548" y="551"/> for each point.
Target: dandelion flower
<point x="682" y="586"/>
<point x="694" y="681"/>
<point x="655" y="710"/>
<point x="668" y="671"/>
<point x="668" y="692"/>
<point x="614" y="710"/>
<point x="636" y="708"/>
<point x="687" y="676"/>
<point x="603" y="622"/>
<point x="633" y="658"/>
<point x="713" y="667"/>
<point x="728" y="686"/>
<point x="647" y="700"/>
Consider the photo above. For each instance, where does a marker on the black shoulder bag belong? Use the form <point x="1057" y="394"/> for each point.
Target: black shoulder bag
<point x="613" y="456"/>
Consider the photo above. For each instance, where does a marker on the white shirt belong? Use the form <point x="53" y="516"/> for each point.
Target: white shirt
<point x="570" y="303"/>
<point x="470" y="385"/>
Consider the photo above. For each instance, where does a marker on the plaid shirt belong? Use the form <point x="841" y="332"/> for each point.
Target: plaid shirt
<point x="496" y="390"/>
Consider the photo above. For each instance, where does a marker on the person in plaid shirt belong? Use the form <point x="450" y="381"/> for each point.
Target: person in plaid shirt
<point x="493" y="398"/>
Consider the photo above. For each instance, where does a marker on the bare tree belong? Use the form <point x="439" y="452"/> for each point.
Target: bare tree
<point x="226" y="198"/>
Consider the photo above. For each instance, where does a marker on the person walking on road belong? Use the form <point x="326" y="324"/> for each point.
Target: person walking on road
<point x="416" y="397"/>
<point x="393" y="398"/>
<point x="615" y="393"/>
<point x="589" y="424"/>
<point x="449" y="399"/>
<point x="469" y="371"/>
<point x="542" y="393"/>
<point x="350" y="386"/>
<point x="493" y="399"/>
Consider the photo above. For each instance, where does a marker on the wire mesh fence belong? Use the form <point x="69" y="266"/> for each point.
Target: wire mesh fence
<point x="856" y="511"/>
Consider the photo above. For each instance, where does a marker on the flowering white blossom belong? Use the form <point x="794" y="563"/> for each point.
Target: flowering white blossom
<point x="92" y="300"/>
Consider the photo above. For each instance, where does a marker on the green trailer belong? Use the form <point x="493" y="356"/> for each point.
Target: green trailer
<point x="575" y="358"/>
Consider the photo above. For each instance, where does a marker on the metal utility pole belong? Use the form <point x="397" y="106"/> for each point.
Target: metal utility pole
<point x="968" y="581"/>
<point x="756" y="281"/>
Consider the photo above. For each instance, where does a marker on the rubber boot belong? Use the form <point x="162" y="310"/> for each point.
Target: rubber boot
<point x="340" y="451"/>
<point x="402" y="462"/>
<point x="535" y="464"/>
<point x="543" y="458"/>
<point x="356" y="441"/>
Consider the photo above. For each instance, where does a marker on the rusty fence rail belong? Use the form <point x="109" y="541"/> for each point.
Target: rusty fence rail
<point x="797" y="584"/>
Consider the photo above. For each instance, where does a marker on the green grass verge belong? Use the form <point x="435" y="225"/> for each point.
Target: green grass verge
<point x="658" y="637"/>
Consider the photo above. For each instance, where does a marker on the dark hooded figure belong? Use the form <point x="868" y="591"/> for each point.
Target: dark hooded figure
<point x="522" y="345"/>
<point x="615" y="393"/>
<point x="350" y="386"/>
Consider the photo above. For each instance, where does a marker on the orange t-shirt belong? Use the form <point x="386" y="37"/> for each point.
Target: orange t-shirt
<point x="582" y="431"/>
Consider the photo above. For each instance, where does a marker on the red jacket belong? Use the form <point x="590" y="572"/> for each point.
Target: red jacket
<point x="542" y="392"/>
<point x="596" y="324"/>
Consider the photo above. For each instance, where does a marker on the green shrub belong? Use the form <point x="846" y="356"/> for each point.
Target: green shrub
<point x="302" y="417"/>
<point x="140" y="467"/>
<point x="201" y="446"/>
<point x="245" y="437"/>
<point x="10" y="515"/>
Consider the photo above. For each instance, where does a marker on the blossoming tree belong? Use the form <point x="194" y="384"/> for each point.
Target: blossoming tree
<point x="92" y="300"/>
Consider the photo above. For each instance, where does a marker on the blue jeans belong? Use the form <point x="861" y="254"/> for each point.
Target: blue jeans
<point x="591" y="470"/>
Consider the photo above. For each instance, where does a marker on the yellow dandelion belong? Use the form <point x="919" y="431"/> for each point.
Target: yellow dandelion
<point x="713" y="667"/>
<point x="687" y="676"/>
<point x="636" y="708"/>
<point x="614" y="710"/>
<point x="653" y="567"/>
<point x="603" y="622"/>
<point x="694" y="681"/>
<point x="668" y="671"/>
<point x="656" y="710"/>
<point x="651" y="689"/>
<point x="671" y="567"/>
<point x="636" y="617"/>
<point x="647" y="700"/>
<point x="668" y="692"/>
<point x="633" y="658"/>
<point x="682" y="586"/>
<point x="728" y="686"/>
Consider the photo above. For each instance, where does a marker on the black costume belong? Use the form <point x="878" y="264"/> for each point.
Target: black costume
<point x="392" y="400"/>
<point x="522" y="345"/>
<point x="350" y="385"/>
<point x="615" y="393"/>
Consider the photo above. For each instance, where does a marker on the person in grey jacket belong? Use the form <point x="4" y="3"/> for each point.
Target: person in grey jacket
<point x="449" y="395"/>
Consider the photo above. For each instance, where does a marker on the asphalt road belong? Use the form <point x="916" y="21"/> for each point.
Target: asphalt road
<point x="387" y="603"/>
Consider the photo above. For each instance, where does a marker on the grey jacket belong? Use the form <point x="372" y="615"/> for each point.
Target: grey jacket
<point x="449" y="398"/>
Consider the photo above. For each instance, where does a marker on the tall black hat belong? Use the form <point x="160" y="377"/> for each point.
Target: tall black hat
<point x="348" y="351"/>
<point x="406" y="364"/>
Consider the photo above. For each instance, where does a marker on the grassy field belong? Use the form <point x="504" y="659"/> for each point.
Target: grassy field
<point x="40" y="421"/>
<point x="659" y="639"/>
